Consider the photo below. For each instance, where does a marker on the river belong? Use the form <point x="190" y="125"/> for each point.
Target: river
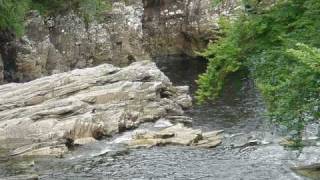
<point x="240" y="112"/>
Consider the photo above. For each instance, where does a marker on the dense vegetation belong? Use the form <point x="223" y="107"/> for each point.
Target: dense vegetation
<point x="279" y="45"/>
<point x="12" y="12"/>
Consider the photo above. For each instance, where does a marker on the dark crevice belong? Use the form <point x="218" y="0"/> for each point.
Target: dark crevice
<point x="164" y="93"/>
<point x="182" y="69"/>
<point x="8" y="51"/>
<point x="146" y="79"/>
<point x="69" y="143"/>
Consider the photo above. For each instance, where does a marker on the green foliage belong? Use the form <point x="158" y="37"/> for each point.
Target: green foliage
<point x="47" y="7"/>
<point x="307" y="55"/>
<point x="91" y="9"/>
<point x="12" y="12"/>
<point x="224" y="58"/>
<point x="88" y="9"/>
<point x="12" y="15"/>
<point x="280" y="46"/>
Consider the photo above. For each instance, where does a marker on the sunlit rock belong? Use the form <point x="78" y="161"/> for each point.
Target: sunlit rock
<point x="175" y="135"/>
<point x="86" y="104"/>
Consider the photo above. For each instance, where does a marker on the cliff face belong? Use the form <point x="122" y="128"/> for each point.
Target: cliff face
<point x="1" y="70"/>
<point x="181" y="27"/>
<point x="173" y="27"/>
<point x="65" y="42"/>
<point x="131" y="31"/>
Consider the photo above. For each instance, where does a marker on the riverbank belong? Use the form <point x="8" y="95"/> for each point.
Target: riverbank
<point x="242" y="117"/>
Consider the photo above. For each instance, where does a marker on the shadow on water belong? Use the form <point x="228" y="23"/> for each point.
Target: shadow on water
<point x="239" y="109"/>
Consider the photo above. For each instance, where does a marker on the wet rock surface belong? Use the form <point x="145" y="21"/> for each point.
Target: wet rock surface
<point x="310" y="171"/>
<point x="242" y="118"/>
<point x="23" y="177"/>
<point x="86" y="104"/>
<point x="249" y="148"/>
<point x="176" y="135"/>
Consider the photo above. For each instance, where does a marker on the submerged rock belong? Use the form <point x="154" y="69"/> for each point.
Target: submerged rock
<point x="86" y="104"/>
<point x="311" y="171"/>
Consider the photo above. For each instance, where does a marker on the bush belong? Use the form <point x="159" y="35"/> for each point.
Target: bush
<point x="12" y="15"/>
<point x="278" y="44"/>
<point x="224" y="58"/>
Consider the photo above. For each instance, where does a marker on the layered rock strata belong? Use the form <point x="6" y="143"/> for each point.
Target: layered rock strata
<point x="50" y="113"/>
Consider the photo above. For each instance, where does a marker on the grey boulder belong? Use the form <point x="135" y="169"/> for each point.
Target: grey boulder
<point x="85" y="104"/>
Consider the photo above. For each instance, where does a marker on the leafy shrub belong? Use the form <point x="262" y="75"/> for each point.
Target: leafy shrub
<point x="224" y="58"/>
<point x="12" y="15"/>
<point x="279" y="45"/>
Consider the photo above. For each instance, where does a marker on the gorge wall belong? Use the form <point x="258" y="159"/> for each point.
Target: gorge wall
<point x="181" y="27"/>
<point x="131" y="31"/>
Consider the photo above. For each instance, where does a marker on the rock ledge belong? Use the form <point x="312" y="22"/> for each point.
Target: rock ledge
<point x="84" y="105"/>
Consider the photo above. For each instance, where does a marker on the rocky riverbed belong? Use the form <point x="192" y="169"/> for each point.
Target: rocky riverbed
<point x="56" y="112"/>
<point x="249" y="147"/>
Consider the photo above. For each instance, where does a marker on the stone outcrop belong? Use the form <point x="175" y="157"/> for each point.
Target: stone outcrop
<point x="132" y="30"/>
<point x="84" y="105"/>
<point x="182" y="27"/>
<point x="64" y="42"/>
<point x="176" y="135"/>
<point x="177" y="27"/>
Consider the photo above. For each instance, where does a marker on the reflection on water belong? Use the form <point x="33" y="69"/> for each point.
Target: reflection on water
<point x="239" y="109"/>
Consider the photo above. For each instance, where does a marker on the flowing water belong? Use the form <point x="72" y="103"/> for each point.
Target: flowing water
<point x="240" y="112"/>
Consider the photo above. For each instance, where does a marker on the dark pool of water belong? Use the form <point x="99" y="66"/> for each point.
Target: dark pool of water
<point x="239" y="109"/>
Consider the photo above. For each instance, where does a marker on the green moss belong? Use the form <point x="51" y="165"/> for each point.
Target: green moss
<point x="88" y="9"/>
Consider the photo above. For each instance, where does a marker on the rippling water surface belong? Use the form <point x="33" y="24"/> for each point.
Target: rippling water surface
<point x="239" y="111"/>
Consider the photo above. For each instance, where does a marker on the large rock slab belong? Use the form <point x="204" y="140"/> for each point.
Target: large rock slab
<point x="87" y="103"/>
